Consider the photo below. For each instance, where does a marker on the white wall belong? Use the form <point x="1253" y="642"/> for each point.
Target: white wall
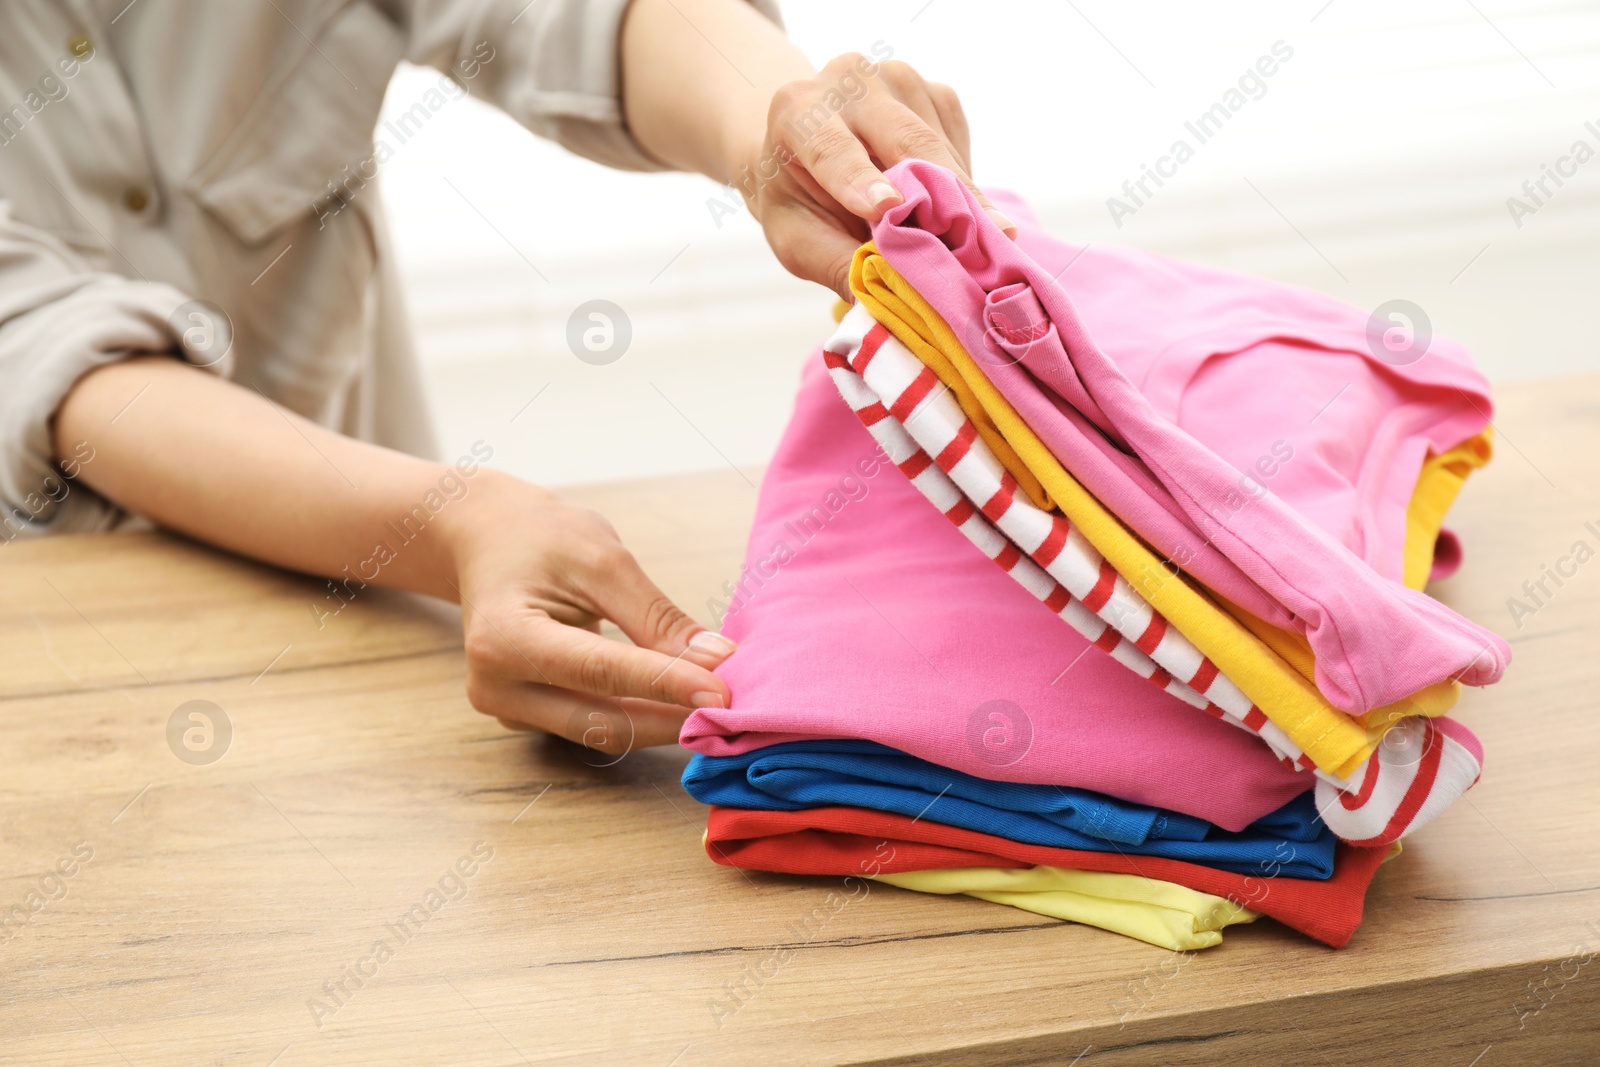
<point x="1376" y="165"/>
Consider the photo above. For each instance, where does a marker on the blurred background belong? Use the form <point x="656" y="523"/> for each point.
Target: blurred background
<point x="1377" y="165"/>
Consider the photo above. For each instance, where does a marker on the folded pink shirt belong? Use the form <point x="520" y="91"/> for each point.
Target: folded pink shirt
<point x="866" y="614"/>
<point x="1170" y="419"/>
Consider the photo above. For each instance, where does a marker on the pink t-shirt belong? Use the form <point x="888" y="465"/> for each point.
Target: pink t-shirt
<point x="869" y="615"/>
<point x="1243" y="427"/>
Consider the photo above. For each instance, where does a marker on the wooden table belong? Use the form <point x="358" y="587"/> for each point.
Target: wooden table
<point x="209" y="903"/>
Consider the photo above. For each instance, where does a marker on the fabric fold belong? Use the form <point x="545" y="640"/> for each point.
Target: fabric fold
<point x="801" y="775"/>
<point x="1273" y="666"/>
<point x="1163" y="914"/>
<point x="1376" y="642"/>
<point x="857" y="842"/>
<point x="932" y="442"/>
<point x="861" y="613"/>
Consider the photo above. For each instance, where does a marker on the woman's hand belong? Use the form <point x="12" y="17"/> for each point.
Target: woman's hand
<point x="536" y="574"/>
<point x="712" y="86"/>
<point x="816" y="180"/>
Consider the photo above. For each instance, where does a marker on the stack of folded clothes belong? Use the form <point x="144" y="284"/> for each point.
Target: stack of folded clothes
<point x="1099" y="594"/>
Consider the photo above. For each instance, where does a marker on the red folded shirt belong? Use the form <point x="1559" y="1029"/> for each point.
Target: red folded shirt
<point x="856" y="841"/>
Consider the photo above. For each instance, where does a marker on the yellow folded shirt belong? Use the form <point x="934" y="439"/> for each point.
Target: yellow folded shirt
<point x="1273" y="667"/>
<point x="1160" y="913"/>
<point x="1437" y="488"/>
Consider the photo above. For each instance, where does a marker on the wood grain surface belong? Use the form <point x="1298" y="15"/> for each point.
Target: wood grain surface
<point x="539" y="907"/>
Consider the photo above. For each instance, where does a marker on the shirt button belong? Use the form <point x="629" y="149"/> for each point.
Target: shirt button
<point x="78" y="44"/>
<point x="135" y="200"/>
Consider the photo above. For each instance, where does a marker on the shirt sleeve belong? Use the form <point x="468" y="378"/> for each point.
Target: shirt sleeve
<point x="553" y="65"/>
<point x="59" y="319"/>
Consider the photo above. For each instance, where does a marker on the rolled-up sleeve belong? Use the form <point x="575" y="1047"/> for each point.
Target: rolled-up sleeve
<point x="59" y="319"/>
<point x="553" y="65"/>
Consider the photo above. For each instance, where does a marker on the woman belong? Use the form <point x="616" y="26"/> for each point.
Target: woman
<point x="183" y="189"/>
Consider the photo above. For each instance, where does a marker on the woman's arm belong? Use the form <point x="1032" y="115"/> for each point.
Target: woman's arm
<point x="712" y="86"/>
<point x="533" y="573"/>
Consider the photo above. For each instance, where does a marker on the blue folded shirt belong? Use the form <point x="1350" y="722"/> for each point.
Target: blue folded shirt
<point x="795" y="775"/>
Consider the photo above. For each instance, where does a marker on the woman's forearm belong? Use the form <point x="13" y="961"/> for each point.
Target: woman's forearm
<point x="534" y="574"/>
<point x="698" y="77"/>
<point x="220" y="463"/>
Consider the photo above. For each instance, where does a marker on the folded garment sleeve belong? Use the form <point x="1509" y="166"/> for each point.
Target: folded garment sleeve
<point x="553" y="65"/>
<point x="59" y="320"/>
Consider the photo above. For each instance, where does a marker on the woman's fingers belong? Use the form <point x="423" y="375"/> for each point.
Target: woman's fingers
<point x="854" y="118"/>
<point x="536" y="648"/>
<point x="940" y="108"/>
<point x="615" y="727"/>
<point x="813" y="245"/>
<point x="894" y="132"/>
<point x="548" y="634"/>
<point x="953" y="120"/>
<point x="832" y="154"/>
<point x="537" y="576"/>
<point x="623" y="593"/>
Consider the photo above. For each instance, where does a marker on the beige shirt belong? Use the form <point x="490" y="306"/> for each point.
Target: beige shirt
<point x="196" y="176"/>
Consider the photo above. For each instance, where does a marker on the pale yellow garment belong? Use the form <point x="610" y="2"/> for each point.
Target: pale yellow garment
<point x="1272" y="666"/>
<point x="1161" y="913"/>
